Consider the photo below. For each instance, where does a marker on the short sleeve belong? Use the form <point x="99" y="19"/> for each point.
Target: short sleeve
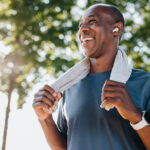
<point x="147" y="89"/>
<point x="61" y="120"/>
<point x="148" y="104"/>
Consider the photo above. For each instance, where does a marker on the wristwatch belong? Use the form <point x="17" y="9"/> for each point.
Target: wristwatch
<point x="144" y="122"/>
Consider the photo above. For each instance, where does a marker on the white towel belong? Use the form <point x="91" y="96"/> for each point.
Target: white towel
<point x="121" y="72"/>
<point x="72" y="76"/>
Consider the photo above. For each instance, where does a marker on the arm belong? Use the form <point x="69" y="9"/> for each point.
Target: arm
<point x="144" y="134"/>
<point x="44" y="103"/>
<point x="116" y="94"/>
<point x="54" y="138"/>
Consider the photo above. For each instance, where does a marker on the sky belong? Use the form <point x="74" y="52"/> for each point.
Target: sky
<point x="24" y="130"/>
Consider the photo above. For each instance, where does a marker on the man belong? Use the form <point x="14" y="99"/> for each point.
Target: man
<point x="82" y="124"/>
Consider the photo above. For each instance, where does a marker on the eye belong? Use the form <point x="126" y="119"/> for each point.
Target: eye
<point x="92" y="21"/>
<point x="80" y="24"/>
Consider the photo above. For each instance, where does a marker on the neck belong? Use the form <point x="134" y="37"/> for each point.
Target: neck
<point x="103" y="63"/>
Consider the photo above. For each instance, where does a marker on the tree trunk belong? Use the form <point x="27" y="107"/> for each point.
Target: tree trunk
<point x="11" y="87"/>
<point x="6" y="122"/>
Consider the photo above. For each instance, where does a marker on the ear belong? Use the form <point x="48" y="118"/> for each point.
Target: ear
<point x="117" y="29"/>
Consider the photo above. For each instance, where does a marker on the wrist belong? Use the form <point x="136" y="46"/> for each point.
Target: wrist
<point x="48" y="118"/>
<point x="136" y="116"/>
<point x="141" y="124"/>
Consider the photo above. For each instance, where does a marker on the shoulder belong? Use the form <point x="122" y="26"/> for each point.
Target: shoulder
<point x="141" y="80"/>
<point x="138" y="74"/>
<point x="139" y="87"/>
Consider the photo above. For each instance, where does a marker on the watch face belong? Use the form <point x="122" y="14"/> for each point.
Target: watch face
<point x="147" y="116"/>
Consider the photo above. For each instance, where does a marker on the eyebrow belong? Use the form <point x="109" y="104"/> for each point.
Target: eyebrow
<point x="92" y="16"/>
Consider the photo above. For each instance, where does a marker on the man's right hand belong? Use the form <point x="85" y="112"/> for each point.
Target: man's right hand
<point x="45" y="102"/>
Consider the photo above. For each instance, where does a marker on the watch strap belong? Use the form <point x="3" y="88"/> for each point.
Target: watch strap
<point x="140" y="124"/>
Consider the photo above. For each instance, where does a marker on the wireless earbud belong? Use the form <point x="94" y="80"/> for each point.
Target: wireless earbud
<point x="115" y="29"/>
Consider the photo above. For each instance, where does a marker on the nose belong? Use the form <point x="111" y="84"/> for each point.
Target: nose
<point x="83" y="30"/>
<point x="84" y="26"/>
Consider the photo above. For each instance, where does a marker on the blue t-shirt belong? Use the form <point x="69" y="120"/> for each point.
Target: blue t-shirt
<point x="88" y="127"/>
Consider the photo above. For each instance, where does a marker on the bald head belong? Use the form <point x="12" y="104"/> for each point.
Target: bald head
<point x="111" y="10"/>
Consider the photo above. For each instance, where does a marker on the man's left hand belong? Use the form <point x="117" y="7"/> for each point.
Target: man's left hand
<point x="116" y="94"/>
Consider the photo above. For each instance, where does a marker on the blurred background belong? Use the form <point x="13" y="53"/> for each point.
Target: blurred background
<point x="38" y="42"/>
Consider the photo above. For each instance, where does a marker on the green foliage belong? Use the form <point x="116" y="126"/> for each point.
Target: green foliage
<point x="40" y="31"/>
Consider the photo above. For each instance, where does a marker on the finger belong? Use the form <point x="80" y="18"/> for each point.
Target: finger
<point x="113" y="88"/>
<point x="52" y="91"/>
<point x="110" y="94"/>
<point x="115" y="83"/>
<point x="46" y="94"/>
<point x="44" y="100"/>
<point x="108" y="107"/>
<point x="59" y="95"/>
<point x="109" y="102"/>
<point x="50" y="111"/>
<point x="40" y="105"/>
<point x="54" y="108"/>
<point x="49" y="89"/>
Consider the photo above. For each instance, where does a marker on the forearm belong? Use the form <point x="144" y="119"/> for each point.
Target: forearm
<point x="144" y="134"/>
<point x="54" y="138"/>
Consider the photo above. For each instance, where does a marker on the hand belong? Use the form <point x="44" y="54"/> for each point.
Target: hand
<point x="115" y="93"/>
<point x="45" y="102"/>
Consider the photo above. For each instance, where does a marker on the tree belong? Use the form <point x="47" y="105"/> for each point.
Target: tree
<point x="31" y="32"/>
<point x="42" y="34"/>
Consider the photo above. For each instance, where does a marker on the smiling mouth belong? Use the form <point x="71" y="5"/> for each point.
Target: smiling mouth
<point x="86" y="39"/>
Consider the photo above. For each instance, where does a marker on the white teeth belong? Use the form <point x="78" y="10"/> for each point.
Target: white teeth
<point x="87" y="39"/>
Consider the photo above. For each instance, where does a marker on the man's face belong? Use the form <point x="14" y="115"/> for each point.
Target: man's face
<point x="95" y="32"/>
